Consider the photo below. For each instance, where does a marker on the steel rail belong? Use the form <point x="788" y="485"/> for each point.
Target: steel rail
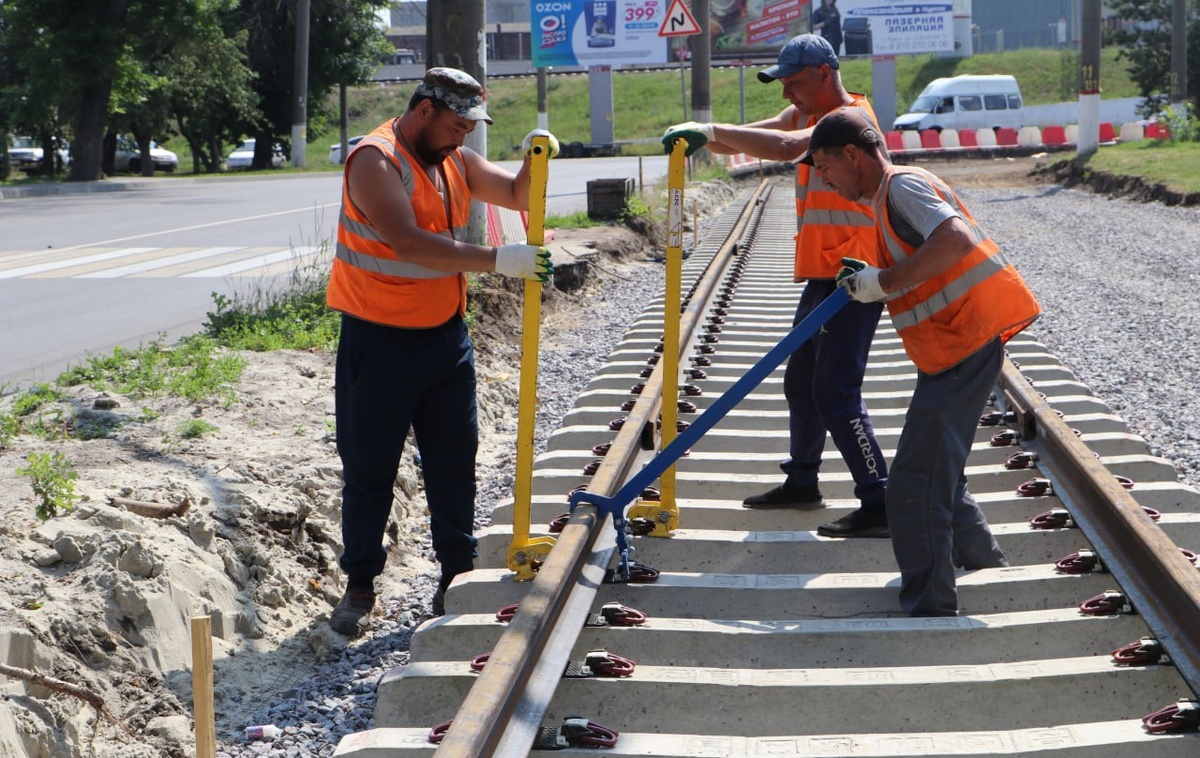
<point x="559" y="597"/>
<point x="1159" y="582"/>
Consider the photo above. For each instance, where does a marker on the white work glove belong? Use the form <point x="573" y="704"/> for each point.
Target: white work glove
<point x="527" y="143"/>
<point x="860" y="280"/>
<point x="522" y="261"/>
<point x="696" y="134"/>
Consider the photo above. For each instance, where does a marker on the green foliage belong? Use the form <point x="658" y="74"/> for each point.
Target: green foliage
<point x="195" y="428"/>
<point x="34" y="398"/>
<point x="193" y="369"/>
<point x="1145" y="49"/>
<point x="10" y="427"/>
<point x="576" y="220"/>
<point x="52" y="478"/>
<point x="1180" y="119"/>
<point x="291" y="317"/>
<point x="635" y="207"/>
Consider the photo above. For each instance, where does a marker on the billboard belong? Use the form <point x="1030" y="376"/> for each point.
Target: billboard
<point x="597" y="32"/>
<point x="885" y="27"/>
<point x="853" y="27"/>
<point x="615" y="32"/>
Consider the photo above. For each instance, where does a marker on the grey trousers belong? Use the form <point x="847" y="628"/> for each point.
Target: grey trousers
<point x="936" y="524"/>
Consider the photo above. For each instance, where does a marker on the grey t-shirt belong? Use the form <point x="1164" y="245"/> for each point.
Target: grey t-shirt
<point x="915" y="209"/>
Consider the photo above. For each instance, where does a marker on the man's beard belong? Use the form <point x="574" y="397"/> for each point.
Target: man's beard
<point x="430" y="155"/>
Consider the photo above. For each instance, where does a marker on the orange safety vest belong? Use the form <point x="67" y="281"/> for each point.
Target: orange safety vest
<point x="368" y="280"/>
<point x="946" y="318"/>
<point x="828" y="226"/>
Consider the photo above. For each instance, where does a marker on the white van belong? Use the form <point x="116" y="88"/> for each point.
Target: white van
<point x="966" y="102"/>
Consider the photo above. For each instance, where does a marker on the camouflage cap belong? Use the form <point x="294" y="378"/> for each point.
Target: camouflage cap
<point x="457" y="90"/>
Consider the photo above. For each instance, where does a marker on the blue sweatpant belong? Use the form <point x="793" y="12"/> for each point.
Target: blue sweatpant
<point x="936" y="524"/>
<point x="388" y="380"/>
<point x="823" y="385"/>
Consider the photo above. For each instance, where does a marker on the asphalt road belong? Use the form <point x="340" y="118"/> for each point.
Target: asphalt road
<point x="85" y="271"/>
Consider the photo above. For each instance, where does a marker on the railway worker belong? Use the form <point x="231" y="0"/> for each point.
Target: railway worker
<point x="955" y="300"/>
<point x="823" y="378"/>
<point x="404" y="357"/>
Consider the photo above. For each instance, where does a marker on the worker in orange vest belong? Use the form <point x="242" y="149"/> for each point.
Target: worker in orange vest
<point x="954" y="300"/>
<point x="823" y="379"/>
<point x="404" y="359"/>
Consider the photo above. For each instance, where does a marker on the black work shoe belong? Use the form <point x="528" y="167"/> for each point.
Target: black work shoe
<point x="859" y="523"/>
<point x="349" y="617"/>
<point x="438" y="604"/>
<point x="787" y="496"/>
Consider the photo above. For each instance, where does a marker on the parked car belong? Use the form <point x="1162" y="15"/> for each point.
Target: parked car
<point x="128" y="157"/>
<point x="25" y="154"/>
<point x="335" y="150"/>
<point x="243" y="157"/>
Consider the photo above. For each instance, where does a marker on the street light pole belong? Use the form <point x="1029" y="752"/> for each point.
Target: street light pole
<point x="300" y="88"/>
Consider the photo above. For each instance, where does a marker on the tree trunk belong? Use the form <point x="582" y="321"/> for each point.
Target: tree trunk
<point x="89" y="137"/>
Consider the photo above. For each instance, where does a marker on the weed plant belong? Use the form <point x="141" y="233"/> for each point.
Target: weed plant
<point x="194" y="369"/>
<point x="292" y="316"/>
<point x="195" y="428"/>
<point x="52" y="478"/>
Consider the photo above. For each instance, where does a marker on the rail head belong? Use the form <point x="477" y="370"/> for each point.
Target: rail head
<point x="1164" y="587"/>
<point x="487" y="719"/>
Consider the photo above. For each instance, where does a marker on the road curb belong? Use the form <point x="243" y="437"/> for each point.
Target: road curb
<point x="74" y="188"/>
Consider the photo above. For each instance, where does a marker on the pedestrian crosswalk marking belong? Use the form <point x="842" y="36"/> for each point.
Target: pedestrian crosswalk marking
<point x="156" y="262"/>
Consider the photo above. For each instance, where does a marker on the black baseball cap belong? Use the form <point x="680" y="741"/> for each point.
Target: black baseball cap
<point x="841" y="127"/>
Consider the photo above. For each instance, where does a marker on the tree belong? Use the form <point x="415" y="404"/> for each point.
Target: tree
<point x="344" y="44"/>
<point x="1146" y="44"/>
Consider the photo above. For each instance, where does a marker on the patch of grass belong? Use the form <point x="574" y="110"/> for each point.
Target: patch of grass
<point x="195" y="428"/>
<point x="52" y="478"/>
<point x="1176" y="165"/>
<point x="292" y="316"/>
<point x="193" y="369"/>
<point x="1046" y="75"/>
<point x="576" y="220"/>
<point x="34" y="398"/>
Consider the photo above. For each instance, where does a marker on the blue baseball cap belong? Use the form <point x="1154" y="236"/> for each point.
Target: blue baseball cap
<point x="800" y="52"/>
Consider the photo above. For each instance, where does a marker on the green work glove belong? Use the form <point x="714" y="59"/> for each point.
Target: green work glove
<point x="860" y="280"/>
<point x="522" y="261"/>
<point x="696" y="134"/>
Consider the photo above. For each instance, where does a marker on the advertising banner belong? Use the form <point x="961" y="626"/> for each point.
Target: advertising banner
<point x="885" y="27"/>
<point x="853" y="27"/>
<point x="597" y="32"/>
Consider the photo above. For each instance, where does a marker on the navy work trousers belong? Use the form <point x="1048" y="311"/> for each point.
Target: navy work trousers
<point x="936" y="524"/>
<point x="823" y="385"/>
<point x="388" y="380"/>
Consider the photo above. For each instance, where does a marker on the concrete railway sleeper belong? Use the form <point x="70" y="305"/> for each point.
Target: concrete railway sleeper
<point x="761" y="638"/>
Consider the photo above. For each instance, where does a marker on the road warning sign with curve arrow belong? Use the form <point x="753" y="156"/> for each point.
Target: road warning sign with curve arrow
<point x="679" y="21"/>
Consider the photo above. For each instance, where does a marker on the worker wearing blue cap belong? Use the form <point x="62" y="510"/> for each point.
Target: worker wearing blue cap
<point x="823" y="379"/>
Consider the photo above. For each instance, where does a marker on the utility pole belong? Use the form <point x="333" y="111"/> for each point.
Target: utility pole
<point x="1089" y="79"/>
<point x="543" y="115"/>
<point x="455" y="37"/>
<point x="300" y="88"/>
<point x="1178" y="51"/>
<point x="702" y="64"/>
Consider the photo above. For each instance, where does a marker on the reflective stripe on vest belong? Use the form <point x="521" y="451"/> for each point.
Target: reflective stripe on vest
<point x="938" y="322"/>
<point x="828" y="226"/>
<point x="368" y="280"/>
